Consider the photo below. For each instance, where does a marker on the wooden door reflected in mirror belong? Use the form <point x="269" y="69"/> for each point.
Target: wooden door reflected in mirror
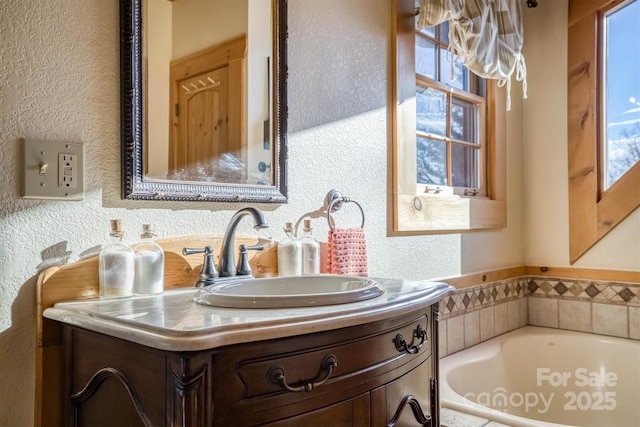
<point x="207" y="139"/>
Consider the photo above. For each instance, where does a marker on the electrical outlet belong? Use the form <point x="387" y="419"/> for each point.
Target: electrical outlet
<point x="67" y="170"/>
<point x="41" y="179"/>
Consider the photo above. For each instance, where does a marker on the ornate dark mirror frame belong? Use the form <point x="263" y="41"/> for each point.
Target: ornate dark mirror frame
<point x="134" y="184"/>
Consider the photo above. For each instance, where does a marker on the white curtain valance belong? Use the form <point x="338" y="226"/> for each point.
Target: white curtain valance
<point x="487" y="36"/>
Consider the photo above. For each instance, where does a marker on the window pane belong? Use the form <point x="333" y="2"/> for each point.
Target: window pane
<point x="431" y="161"/>
<point x="464" y="165"/>
<point x="464" y="121"/>
<point x="622" y="71"/>
<point x="431" y="111"/>
<point x="429" y="31"/>
<point x="444" y="32"/>
<point x="480" y="85"/>
<point x="461" y="80"/>
<point x="426" y="58"/>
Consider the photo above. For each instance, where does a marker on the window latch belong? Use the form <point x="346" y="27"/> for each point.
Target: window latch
<point x="470" y="191"/>
<point x="434" y="190"/>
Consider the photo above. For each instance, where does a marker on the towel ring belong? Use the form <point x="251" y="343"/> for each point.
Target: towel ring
<point x="340" y="200"/>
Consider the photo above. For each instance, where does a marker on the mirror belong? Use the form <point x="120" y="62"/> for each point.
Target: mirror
<point x="204" y="106"/>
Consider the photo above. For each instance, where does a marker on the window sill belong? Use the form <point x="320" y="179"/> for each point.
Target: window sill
<point x="438" y="213"/>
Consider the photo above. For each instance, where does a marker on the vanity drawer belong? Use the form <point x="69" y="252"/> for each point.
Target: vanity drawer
<point x="292" y="376"/>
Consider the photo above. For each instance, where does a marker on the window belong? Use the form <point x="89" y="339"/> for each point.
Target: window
<point x="448" y="136"/>
<point x="601" y="192"/>
<point x="620" y="119"/>
<point x="450" y="113"/>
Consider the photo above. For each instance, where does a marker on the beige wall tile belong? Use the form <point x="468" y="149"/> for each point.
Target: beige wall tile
<point x="574" y="315"/>
<point x="524" y="312"/>
<point x="500" y="318"/>
<point x="634" y="323"/>
<point x="487" y="326"/>
<point x="455" y="334"/>
<point x="610" y="319"/>
<point x="442" y="337"/>
<point x="543" y="312"/>
<point x="471" y="328"/>
<point x="513" y="314"/>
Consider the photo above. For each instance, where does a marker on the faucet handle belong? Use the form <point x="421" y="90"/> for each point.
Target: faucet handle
<point x="208" y="274"/>
<point x="243" y="268"/>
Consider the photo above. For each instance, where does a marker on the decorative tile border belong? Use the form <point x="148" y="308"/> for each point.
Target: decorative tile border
<point x="487" y="294"/>
<point x="585" y="290"/>
<point x="481" y="296"/>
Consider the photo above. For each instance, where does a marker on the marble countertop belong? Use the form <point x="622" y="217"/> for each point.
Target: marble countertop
<point x="173" y="321"/>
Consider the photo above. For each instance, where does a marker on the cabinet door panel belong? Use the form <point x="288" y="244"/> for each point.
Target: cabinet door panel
<point x="387" y="401"/>
<point x="110" y="405"/>
<point x="115" y="375"/>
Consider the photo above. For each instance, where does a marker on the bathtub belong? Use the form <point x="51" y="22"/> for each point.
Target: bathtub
<point x="546" y="377"/>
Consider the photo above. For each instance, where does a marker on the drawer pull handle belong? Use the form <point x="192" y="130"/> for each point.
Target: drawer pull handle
<point x="401" y="343"/>
<point x="328" y="364"/>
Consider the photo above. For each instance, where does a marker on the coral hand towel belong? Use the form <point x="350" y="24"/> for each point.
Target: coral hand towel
<point x="347" y="252"/>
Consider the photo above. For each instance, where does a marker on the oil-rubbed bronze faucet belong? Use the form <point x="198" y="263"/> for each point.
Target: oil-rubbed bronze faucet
<point x="227" y="266"/>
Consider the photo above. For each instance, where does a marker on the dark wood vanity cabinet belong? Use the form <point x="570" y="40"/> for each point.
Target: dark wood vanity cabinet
<point x="376" y="374"/>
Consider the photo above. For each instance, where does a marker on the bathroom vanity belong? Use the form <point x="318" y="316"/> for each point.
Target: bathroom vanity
<point x="167" y="360"/>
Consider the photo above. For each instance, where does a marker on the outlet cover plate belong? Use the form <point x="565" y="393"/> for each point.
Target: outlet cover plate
<point x="52" y="170"/>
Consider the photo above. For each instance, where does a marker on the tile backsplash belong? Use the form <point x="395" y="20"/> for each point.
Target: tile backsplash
<point x="585" y="290"/>
<point x="478" y="313"/>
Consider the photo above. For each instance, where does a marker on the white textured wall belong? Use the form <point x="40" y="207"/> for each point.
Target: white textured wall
<point x="503" y="247"/>
<point x="545" y="155"/>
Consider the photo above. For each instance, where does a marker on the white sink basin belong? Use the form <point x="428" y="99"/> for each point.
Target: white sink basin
<point x="295" y="291"/>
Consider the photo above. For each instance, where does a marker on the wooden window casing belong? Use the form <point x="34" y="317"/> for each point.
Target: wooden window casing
<point x="592" y="212"/>
<point x="428" y="213"/>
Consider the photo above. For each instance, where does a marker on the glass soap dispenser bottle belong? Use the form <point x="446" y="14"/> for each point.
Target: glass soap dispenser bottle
<point x="289" y="254"/>
<point x="149" y="257"/>
<point x="116" y="266"/>
<point x="310" y="250"/>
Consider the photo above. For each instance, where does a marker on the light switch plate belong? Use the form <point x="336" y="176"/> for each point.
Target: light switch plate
<point x="52" y="170"/>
